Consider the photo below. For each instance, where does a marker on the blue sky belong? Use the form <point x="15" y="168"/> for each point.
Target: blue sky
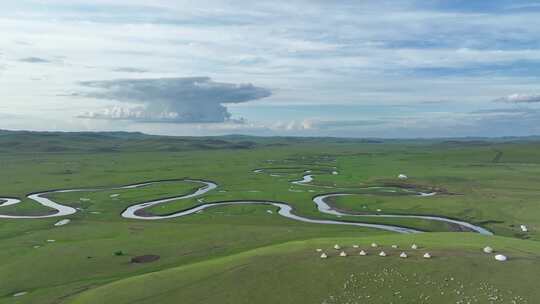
<point x="308" y="68"/>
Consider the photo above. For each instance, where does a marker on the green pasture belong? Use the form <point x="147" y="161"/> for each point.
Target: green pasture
<point x="250" y="254"/>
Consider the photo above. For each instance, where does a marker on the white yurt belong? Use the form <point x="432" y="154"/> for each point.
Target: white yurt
<point x="403" y="176"/>
<point x="343" y="254"/>
<point x="318" y="249"/>
<point x="488" y="249"/>
<point x="414" y="246"/>
<point x="427" y="255"/>
<point x="355" y="246"/>
<point x="403" y="255"/>
<point x="382" y="253"/>
<point x="374" y="245"/>
<point x="394" y="246"/>
<point x="362" y="252"/>
<point x="323" y="256"/>
<point x="337" y="247"/>
<point x="523" y="228"/>
<point x="501" y="258"/>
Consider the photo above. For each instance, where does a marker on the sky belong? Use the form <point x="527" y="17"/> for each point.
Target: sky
<point x="348" y="68"/>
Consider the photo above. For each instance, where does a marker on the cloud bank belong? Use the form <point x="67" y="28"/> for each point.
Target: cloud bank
<point x="173" y="100"/>
<point x="519" y="98"/>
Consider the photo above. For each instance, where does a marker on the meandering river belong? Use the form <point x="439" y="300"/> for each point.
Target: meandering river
<point x="286" y="210"/>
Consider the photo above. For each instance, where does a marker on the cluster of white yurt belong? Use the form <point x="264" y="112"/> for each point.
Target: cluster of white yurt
<point x="426" y="255"/>
<point x="362" y="252"/>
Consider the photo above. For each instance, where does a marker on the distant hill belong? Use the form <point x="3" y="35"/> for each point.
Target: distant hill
<point x="25" y="141"/>
<point x="52" y="142"/>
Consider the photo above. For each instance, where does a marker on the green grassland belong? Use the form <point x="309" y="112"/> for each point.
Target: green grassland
<point x="245" y="254"/>
<point x="458" y="272"/>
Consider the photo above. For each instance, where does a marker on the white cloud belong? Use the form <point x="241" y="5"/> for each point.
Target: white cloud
<point x="520" y="98"/>
<point x="129" y="70"/>
<point x="175" y="100"/>
<point x="307" y="52"/>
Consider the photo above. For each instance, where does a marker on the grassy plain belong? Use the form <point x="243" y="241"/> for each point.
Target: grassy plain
<point x="245" y="254"/>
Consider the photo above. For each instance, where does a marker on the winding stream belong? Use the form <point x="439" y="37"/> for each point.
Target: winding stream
<point x="285" y="210"/>
<point x="61" y="210"/>
<point x="323" y="207"/>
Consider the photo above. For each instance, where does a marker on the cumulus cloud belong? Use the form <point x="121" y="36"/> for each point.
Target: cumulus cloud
<point x="520" y="98"/>
<point x="34" y="60"/>
<point x="175" y="100"/>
